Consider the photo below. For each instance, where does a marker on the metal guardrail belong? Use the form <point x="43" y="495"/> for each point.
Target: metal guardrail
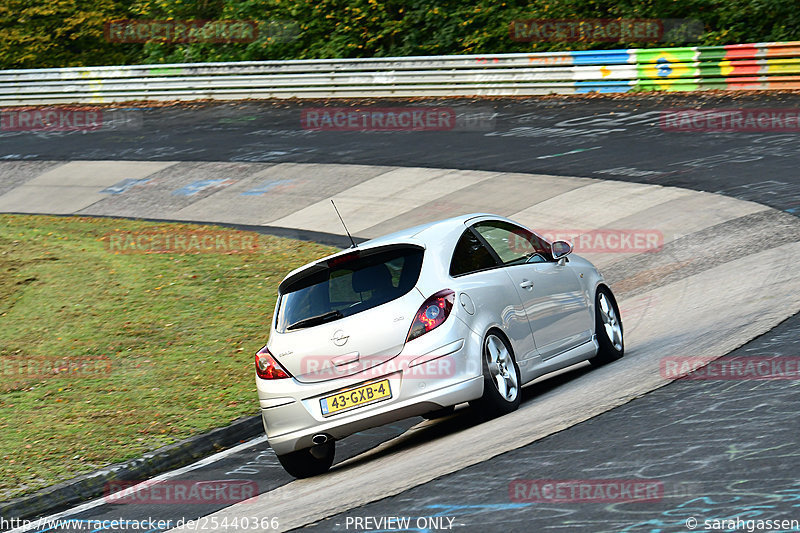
<point x="734" y="67"/>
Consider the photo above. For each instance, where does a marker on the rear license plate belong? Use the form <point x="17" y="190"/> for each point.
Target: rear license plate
<point x="358" y="397"/>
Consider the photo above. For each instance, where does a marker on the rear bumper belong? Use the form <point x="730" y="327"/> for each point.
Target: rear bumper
<point x="372" y="416"/>
<point x="291" y="410"/>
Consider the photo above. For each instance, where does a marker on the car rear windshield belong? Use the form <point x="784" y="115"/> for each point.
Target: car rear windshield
<point x="346" y="285"/>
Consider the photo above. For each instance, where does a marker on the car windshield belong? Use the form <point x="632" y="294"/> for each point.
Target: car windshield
<point x="346" y="285"/>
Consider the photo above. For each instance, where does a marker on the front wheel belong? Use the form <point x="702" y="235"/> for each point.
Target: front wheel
<point x="309" y="462"/>
<point x="501" y="379"/>
<point x="608" y="328"/>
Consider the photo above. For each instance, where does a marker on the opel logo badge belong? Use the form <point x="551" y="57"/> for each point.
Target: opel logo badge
<point x="339" y="338"/>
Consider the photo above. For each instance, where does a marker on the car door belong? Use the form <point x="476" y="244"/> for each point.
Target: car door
<point x="551" y="293"/>
<point x="487" y="295"/>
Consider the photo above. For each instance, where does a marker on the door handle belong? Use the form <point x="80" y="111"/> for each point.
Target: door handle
<point x="526" y="284"/>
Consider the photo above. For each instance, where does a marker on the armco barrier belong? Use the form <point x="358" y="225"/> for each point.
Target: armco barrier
<point x="734" y="67"/>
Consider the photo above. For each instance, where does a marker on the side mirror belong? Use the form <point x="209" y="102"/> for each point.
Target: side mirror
<point x="560" y="249"/>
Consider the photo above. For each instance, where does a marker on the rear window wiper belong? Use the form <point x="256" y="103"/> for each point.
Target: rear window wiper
<point x="314" y="320"/>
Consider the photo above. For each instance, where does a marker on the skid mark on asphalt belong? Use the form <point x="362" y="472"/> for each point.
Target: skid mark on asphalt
<point x="576" y="151"/>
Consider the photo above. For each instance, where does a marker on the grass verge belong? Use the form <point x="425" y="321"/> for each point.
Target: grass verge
<point x="106" y="355"/>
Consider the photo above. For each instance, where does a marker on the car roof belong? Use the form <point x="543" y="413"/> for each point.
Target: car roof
<point x="423" y="232"/>
<point x="422" y="235"/>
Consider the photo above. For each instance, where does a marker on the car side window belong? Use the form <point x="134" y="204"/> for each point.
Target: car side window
<point x="470" y="256"/>
<point x="513" y="244"/>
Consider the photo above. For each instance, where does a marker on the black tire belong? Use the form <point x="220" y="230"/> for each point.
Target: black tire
<point x="439" y="413"/>
<point x="610" y="349"/>
<point x="303" y="463"/>
<point x="494" y="402"/>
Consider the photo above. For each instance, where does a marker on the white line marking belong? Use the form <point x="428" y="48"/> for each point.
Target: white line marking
<point x="136" y="488"/>
<point x="576" y="151"/>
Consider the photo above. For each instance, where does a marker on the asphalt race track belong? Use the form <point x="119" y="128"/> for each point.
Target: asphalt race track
<point x="727" y="273"/>
<point x="703" y="439"/>
<point x="610" y="138"/>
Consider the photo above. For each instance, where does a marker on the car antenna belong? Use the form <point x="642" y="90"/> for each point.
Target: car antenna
<point x="345" y="227"/>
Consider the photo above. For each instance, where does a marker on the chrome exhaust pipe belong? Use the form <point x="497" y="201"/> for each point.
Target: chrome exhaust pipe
<point x="319" y="450"/>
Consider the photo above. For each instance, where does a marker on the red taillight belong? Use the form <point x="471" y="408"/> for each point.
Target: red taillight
<point x="432" y="313"/>
<point x="267" y="367"/>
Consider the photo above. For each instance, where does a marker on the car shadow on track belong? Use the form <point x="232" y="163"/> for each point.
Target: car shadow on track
<point x="463" y="418"/>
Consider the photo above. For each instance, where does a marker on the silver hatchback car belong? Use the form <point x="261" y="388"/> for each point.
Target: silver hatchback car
<point x="466" y="309"/>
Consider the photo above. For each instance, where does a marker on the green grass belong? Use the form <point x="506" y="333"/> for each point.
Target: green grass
<point x="178" y="330"/>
